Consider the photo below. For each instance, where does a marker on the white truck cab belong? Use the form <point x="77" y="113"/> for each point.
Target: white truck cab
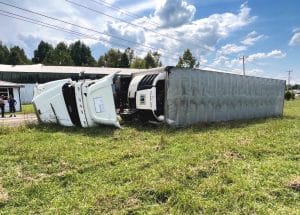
<point x="87" y="103"/>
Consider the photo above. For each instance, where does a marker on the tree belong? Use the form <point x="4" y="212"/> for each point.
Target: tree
<point x="152" y="60"/>
<point x="4" y="53"/>
<point x="81" y="54"/>
<point x="157" y="56"/>
<point x="138" y="63"/>
<point x="17" y="56"/>
<point x="111" y="59"/>
<point x="60" y="56"/>
<point x="187" y="60"/>
<point x="295" y="87"/>
<point x="124" y="62"/>
<point x="130" y="54"/>
<point x="117" y="59"/>
<point x="41" y="52"/>
<point x="102" y="61"/>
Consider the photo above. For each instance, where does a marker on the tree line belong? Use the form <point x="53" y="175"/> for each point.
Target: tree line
<point x="79" y="54"/>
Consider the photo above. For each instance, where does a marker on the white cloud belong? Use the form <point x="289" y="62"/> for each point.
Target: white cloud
<point x="294" y="80"/>
<point x="295" y="39"/>
<point x="203" y="60"/>
<point x="142" y="6"/>
<point x="227" y="64"/>
<point x="252" y="38"/>
<point x="27" y="34"/>
<point x="201" y="36"/>
<point x="174" y="13"/>
<point x="234" y="65"/>
<point x="231" y="49"/>
<point x="227" y="22"/>
<point x="272" y="54"/>
<point x="256" y="72"/>
<point x="125" y="32"/>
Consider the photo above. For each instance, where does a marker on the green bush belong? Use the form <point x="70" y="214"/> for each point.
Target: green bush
<point x="289" y="95"/>
<point x="293" y="95"/>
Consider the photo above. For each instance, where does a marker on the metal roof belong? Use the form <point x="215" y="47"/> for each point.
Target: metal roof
<point x="9" y="84"/>
<point x="40" y="68"/>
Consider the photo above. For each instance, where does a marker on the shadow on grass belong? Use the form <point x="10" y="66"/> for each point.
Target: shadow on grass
<point x="108" y="131"/>
<point x="104" y="131"/>
<point x="200" y="127"/>
<point x="291" y="117"/>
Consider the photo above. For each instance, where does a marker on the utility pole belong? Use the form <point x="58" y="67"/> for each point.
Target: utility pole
<point x="289" y="78"/>
<point x="244" y="59"/>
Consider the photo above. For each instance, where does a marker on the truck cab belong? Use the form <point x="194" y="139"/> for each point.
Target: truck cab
<point x="86" y="103"/>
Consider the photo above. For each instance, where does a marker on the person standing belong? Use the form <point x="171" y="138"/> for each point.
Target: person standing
<point x="2" y="105"/>
<point x="12" y="106"/>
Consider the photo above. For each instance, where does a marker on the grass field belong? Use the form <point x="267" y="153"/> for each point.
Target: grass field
<point x="27" y="108"/>
<point x="239" y="168"/>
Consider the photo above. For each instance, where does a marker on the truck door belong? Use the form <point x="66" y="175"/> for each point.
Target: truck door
<point x="100" y="103"/>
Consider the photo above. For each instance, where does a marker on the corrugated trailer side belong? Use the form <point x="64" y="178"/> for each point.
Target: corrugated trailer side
<point x="195" y="96"/>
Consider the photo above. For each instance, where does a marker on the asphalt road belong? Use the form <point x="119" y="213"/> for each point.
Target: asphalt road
<point x="20" y="119"/>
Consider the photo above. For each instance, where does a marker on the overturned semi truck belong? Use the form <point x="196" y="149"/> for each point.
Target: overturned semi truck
<point x="175" y="96"/>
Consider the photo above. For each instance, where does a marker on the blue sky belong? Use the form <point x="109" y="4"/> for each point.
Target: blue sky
<point x="217" y="32"/>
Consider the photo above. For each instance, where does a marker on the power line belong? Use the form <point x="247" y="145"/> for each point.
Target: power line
<point x="122" y="20"/>
<point x="85" y="28"/>
<point x="26" y="19"/>
<point x="125" y="21"/>
<point x="98" y="32"/>
<point x="43" y="24"/>
<point x="65" y="22"/>
<point x="59" y="28"/>
<point x="128" y="13"/>
<point x="55" y="27"/>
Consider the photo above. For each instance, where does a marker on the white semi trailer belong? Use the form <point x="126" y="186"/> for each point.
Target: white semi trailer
<point x="178" y="97"/>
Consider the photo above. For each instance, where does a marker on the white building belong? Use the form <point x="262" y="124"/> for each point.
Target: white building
<point x="297" y="93"/>
<point x="11" y="89"/>
<point x="29" y="75"/>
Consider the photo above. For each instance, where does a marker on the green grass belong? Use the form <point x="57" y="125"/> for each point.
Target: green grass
<point x="237" y="168"/>
<point x="27" y="108"/>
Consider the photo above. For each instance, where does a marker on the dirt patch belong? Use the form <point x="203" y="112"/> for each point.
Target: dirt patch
<point x="41" y="176"/>
<point x="244" y="141"/>
<point x="20" y="119"/>
<point x="3" y="194"/>
<point x="132" y="201"/>
<point x="295" y="184"/>
<point x="233" y="155"/>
